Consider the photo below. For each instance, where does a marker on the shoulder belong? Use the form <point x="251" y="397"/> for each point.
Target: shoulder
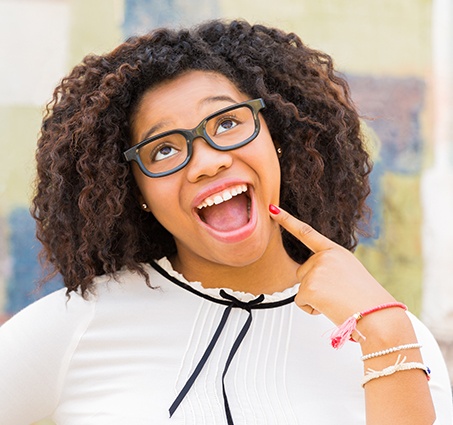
<point x="48" y="311"/>
<point x="52" y="325"/>
<point x="36" y="345"/>
<point x="126" y="286"/>
<point x="61" y="310"/>
<point x="44" y="330"/>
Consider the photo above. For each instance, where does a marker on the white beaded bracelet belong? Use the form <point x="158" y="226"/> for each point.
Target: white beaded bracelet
<point x="391" y="350"/>
<point x="397" y="367"/>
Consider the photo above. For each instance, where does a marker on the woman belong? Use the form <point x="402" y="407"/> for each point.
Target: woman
<point x="167" y="170"/>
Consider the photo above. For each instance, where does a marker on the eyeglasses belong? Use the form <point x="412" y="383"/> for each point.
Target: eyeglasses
<point x="225" y="130"/>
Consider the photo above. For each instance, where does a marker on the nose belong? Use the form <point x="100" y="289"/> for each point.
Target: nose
<point x="206" y="161"/>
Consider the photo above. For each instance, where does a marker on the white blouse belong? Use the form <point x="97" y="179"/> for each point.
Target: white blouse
<point x="124" y="355"/>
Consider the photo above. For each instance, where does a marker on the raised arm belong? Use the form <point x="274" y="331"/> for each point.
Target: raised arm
<point x="334" y="283"/>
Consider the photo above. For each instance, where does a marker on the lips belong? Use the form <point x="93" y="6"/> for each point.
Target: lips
<point x="228" y="213"/>
<point x="223" y="196"/>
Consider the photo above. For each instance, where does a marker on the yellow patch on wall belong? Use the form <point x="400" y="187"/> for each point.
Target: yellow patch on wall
<point x="381" y="37"/>
<point x="19" y="128"/>
<point x="395" y="259"/>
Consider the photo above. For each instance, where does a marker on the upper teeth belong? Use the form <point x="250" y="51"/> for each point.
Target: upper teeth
<point x="223" y="196"/>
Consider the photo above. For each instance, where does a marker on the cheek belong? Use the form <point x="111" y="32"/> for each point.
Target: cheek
<point x="270" y="162"/>
<point x="274" y="177"/>
<point x="161" y="199"/>
<point x="165" y="204"/>
<point x="272" y="172"/>
<point x="165" y="207"/>
<point x="269" y="152"/>
<point x="159" y="194"/>
<point x="275" y="162"/>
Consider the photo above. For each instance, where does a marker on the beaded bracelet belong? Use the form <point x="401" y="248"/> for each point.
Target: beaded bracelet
<point x="391" y="350"/>
<point x="343" y="332"/>
<point x="397" y="367"/>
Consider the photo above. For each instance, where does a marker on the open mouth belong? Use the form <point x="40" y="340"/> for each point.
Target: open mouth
<point x="227" y="210"/>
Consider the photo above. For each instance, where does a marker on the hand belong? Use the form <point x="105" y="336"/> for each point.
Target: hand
<point x="332" y="281"/>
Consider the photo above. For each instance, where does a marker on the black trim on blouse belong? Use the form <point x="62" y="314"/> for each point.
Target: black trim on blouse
<point x="231" y="302"/>
<point x="189" y="288"/>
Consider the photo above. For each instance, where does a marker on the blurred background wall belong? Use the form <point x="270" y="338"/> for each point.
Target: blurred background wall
<point x="397" y="56"/>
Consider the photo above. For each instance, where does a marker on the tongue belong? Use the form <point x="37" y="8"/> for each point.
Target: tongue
<point x="229" y="215"/>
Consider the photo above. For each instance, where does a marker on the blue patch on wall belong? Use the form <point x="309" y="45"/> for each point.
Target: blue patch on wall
<point x="393" y="106"/>
<point x="142" y="16"/>
<point x="25" y="267"/>
<point x="374" y="201"/>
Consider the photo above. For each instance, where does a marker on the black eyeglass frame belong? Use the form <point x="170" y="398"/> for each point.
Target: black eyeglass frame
<point x="255" y="105"/>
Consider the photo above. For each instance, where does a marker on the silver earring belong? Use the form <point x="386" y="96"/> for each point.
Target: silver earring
<point x="144" y="206"/>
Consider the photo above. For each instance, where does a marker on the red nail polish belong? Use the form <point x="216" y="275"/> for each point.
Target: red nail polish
<point x="273" y="209"/>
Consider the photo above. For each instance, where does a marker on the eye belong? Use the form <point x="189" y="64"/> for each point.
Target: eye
<point x="225" y="125"/>
<point x="163" y="151"/>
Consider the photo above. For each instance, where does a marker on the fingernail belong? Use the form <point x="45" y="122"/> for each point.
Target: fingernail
<point x="273" y="209"/>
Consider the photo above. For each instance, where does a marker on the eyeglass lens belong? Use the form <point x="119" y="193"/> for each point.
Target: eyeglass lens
<point x="170" y="151"/>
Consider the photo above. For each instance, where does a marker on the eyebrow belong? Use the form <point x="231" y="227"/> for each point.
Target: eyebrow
<point x="152" y="130"/>
<point x="223" y="98"/>
<point x="208" y="100"/>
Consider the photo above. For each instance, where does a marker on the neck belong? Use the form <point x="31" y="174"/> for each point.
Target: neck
<point x="273" y="272"/>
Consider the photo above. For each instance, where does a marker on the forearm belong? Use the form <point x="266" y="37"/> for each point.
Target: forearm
<point x="402" y="397"/>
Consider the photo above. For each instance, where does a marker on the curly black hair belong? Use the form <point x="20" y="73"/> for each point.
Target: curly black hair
<point x="85" y="205"/>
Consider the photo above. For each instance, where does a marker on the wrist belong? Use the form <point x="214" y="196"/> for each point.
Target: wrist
<point x="349" y="329"/>
<point x="385" y="328"/>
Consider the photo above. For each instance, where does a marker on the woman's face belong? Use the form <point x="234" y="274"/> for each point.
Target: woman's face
<point x="238" y="230"/>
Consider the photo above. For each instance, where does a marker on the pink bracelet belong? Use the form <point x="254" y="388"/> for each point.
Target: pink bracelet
<point x="343" y="332"/>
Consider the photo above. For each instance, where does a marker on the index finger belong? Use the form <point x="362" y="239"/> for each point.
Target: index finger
<point x="311" y="238"/>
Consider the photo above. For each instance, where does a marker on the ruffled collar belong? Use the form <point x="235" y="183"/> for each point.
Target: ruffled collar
<point x="245" y="297"/>
<point x="232" y="300"/>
